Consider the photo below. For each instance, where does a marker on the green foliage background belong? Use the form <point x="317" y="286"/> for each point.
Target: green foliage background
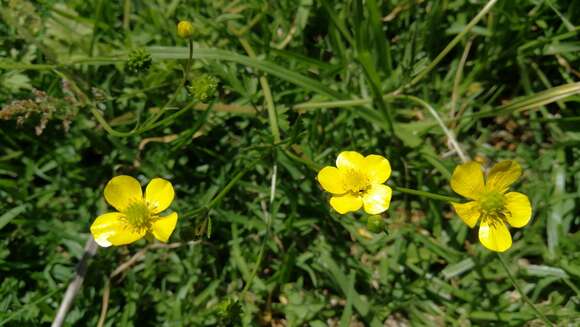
<point x="73" y="116"/>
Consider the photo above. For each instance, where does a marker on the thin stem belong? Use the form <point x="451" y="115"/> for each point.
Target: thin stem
<point x="426" y="194"/>
<point x="231" y="184"/>
<point x="153" y="119"/>
<point x="449" y="47"/>
<point x="374" y="80"/>
<point x="98" y="14"/>
<point x="268" y="216"/>
<point x="215" y="201"/>
<point x="446" y="130"/>
<point x="457" y="80"/>
<point x="272" y="114"/>
<point x="311" y="105"/>
<point x="305" y="161"/>
<point x="28" y="306"/>
<point x="126" y="15"/>
<point x="189" y="60"/>
<point x="522" y="294"/>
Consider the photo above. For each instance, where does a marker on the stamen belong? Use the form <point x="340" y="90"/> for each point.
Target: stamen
<point x="138" y="215"/>
<point x="356" y="181"/>
<point x="495" y="218"/>
<point x="492" y="202"/>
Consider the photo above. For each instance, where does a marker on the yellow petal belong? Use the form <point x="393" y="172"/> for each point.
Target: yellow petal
<point x="350" y="160"/>
<point x="122" y="190"/>
<point x="112" y="229"/>
<point x="467" y="180"/>
<point x="377" y="199"/>
<point x="377" y="168"/>
<point x="468" y="212"/>
<point x="346" y="203"/>
<point x="519" y="207"/>
<point x="502" y="175"/>
<point x="163" y="227"/>
<point x="159" y="195"/>
<point x="330" y="179"/>
<point x="495" y="237"/>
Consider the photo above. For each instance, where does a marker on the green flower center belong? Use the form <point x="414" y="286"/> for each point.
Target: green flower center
<point x="492" y="202"/>
<point x="356" y="181"/>
<point x="138" y="215"/>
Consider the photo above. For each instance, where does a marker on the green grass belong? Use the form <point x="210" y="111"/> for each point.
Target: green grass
<point x="299" y="81"/>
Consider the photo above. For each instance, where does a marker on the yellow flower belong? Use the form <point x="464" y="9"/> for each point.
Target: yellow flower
<point x="184" y="29"/>
<point x="137" y="215"/>
<point x="357" y="181"/>
<point x="491" y="205"/>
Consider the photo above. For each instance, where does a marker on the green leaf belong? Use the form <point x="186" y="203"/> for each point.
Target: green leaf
<point x="263" y="65"/>
<point x="7" y="217"/>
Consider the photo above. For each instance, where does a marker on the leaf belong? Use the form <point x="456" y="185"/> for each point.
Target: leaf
<point x="544" y="271"/>
<point x="11" y="214"/>
<point x="456" y="269"/>
<point x="16" y="82"/>
<point x="260" y="64"/>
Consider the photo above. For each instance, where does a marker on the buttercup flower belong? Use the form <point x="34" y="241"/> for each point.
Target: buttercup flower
<point x="137" y="216"/>
<point x="357" y="182"/>
<point x="184" y="29"/>
<point x="491" y="205"/>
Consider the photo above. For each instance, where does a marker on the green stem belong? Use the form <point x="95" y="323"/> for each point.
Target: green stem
<point x="189" y="60"/>
<point x="426" y="194"/>
<point x="98" y="14"/>
<point x="449" y="46"/>
<point x="448" y="133"/>
<point x="522" y="294"/>
<point x="307" y="162"/>
<point x="153" y="119"/>
<point x="220" y="196"/>
<point x="231" y="184"/>
<point x="224" y="191"/>
<point x="272" y="114"/>
<point x="97" y="114"/>
<point x="313" y="105"/>
<point x="370" y="72"/>
<point x="267" y="237"/>
<point x="256" y="266"/>
<point x="28" y="306"/>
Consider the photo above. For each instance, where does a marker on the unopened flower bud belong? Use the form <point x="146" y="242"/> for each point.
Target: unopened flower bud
<point x="203" y="87"/>
<point x="185" y="29"/>
<point x="139" y="60"/>
<point x="375" y="224"/>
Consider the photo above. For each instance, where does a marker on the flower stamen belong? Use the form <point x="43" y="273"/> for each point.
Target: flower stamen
<point x="138" y="215"/>
<point x="356" y="181"/>
<point x="492" y="202"/>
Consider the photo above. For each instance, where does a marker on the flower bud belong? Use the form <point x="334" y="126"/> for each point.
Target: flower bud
<point x="139" y="60"/>
<point x="203" y="87"/>
<point x="375" y="224"/>
<point x="185" y="29"/>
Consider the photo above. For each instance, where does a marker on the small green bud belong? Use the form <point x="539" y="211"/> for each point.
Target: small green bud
<point x="139" y="60"/>
<point x="184" y="29"/>
<point x="229" y="310"/>
<point x="203" y="87"/>
<point x="375" y="224"/>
